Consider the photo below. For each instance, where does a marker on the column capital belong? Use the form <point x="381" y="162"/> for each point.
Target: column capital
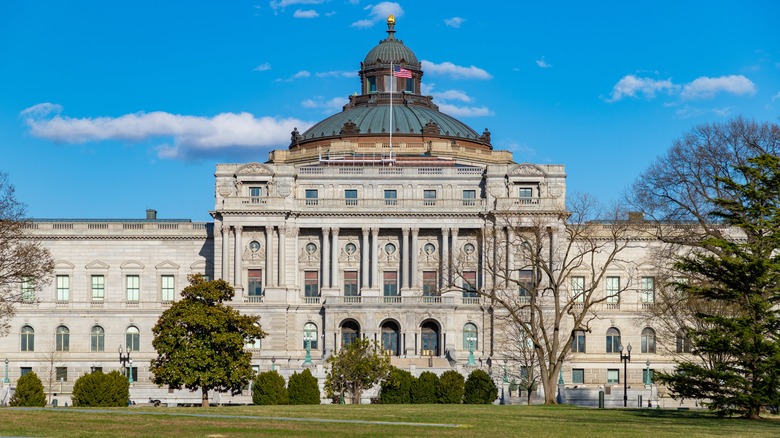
<point x="334" y="231"/>
<point x="415" y="231"/>
<point x="366" y="230"/>
<point x="282" y="230"/>
<point x="375" y="231"/>
<point x="292" y="230"/>
<point x="405" y="232"/>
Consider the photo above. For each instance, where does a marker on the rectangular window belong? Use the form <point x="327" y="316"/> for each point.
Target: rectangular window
<point x="351" y="197"/>
<point x="390" y="283"/>
<point x="647" y="285"/>
<point x="98" y="287"/>
<point x="578" y="375"/>
<point x="578" y="342"/>
<point x="167" y="288"/>
<point x="469" y="284"/>
<point x="469" y="197"/>
<point x="429" y="197"/>
<point x="578" y="289"/>
<point x="96" y="369"/>
<point x="311" y="284"/>
<point x="311" y="196"/>
<point x="525" y="192"/>
<point x="61" y="374"/>
<point x="613" y="376"/>
<point x="429" y="284"/>
<point x="613" y="290"/>
<point x="28" y="290"/>
<point x="409" y="86"/>
<point x="390" y="197"/>
<point x="351" y="284"/>
<point x="255" y="283"/>
<point x="371" y="84"/>
<point x="389" y="83"/>
<point x="647" y="376"/>
<point x="254" y="194"/>
<point x="133" y="287"/>
<point x="526" y="284"/>
<point x="24" y="370"/>
<point x="63" y="287"/>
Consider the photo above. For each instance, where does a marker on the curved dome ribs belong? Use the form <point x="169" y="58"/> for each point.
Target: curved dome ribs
<point x="368" y="114"/>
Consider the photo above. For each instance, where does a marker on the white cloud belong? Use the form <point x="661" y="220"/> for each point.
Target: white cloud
<point x="707" y="88"/>
<point x="262" y="67"/>
<point x="465" y="111"/>
<point x="776" y="96"/>
<point x="379" y="12"/>
<point x="542" y="63"/>
<point x="192" y="135"/>
<point x="453" y="95"/>
<point x="633" y="86"/>
<point x="456" y="71"/>
<point x="281" y="4"/>
<point x="336" y="74"/>
<point x="299" y="75"/>
<point x="328" y="106"/>
<point x="310" y="13"/>
<point x="454" y="21"/>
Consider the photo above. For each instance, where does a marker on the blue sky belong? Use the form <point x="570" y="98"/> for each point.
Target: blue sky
<point x="107" y="109"/>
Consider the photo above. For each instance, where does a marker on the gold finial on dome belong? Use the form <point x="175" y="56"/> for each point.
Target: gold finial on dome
<point x="390" y="19"/>
<point x="390" y="27"/>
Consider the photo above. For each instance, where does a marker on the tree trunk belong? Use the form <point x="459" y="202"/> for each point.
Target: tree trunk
<point x="205" y="400"/>
<point x="549" y="383"/>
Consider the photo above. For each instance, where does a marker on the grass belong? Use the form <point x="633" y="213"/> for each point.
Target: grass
<point x="473" y="421"/>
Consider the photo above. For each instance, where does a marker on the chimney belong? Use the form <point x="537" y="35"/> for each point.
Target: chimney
<point x="151" y="214"/>
<point x="636" y="216"/>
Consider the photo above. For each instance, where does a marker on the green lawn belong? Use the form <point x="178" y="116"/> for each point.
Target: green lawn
<point x="472" y="421"/>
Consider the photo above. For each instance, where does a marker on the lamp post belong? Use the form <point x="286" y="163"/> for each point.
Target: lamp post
<point x="124" y="360"/>
<point x="273" y="363"/>
<point x="6" y="380"/>
<point x="505" y="365"/>
<point x="471" y="361"/>
<point x="625" y="358"/>
<point x="130" y="371"/>
<point x="307" y="338"/>
<point x="647" y="373"/>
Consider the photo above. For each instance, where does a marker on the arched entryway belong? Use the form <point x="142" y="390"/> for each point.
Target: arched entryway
<point x="430" y="338"/>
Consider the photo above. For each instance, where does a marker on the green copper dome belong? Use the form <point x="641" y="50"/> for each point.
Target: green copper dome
<point x="391" y="50"/>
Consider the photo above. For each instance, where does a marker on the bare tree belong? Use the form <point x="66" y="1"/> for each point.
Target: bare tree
<point x="25" y="265"/>
<point x="520" y="362"/>
<point x="52" y="359"/>
<point x="532" y="262"/>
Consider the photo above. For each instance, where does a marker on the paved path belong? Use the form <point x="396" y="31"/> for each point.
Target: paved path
<point x="243" y="417"/>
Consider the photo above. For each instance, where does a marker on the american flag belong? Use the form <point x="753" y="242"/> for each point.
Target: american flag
<point x="401" y="72"/>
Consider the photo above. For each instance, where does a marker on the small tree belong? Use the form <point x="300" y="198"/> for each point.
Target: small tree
<point x="303" y="389"/>
<point x="356" y="368"/>
<point x="479" y="388"/>
<point x="268" y="389"/>
<point x="425" y="388"/>
<point x="451" y="387"/>
<point x="396" y="388"/>
<point x="29" y="392"/>
<point x="200" y="341"/>
<point x="101" y="390"/>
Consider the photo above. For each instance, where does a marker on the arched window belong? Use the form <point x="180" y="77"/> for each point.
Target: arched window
<point x="310" y="332"/>
<point x="133" y="338"/>
<point x="683" y="342"/>
<point x="28" y="338"/>
<point x="390" y="335"/>
<point x="470" y="338"/>
<point x="97" y="339"/>
<point x="62" y="338"/>
<point x="350" y="331"/>
<point x="613" y="340"/>
<point x="256" y="343"/>
<point x="430" y="338"/>
<point x="648" y="340"/>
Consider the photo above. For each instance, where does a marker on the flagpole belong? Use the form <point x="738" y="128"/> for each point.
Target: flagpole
<point x="392" y="79"/>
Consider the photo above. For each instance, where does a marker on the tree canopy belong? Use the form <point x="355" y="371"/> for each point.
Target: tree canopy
<point x="738" y="269"/>
<point x="25" y="265"/>
<point x="200" y="341"/>
<point x="356" y="368"/>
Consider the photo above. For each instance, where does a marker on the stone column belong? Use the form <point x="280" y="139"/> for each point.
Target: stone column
<point x="365" y="257"/>
<point x="405" y="258"/>
<point x="415" y="250"/>
<point x="454" y="252"/>
<point x="510" y="256"/>
<point x="268" y="277"/>
<point x="334" y="262"/>
<point x="237" y="254"/>
<point x="325" y="253"/>
<point x="445" y="257"/>
<point x="375" y="258"/>
<point x="282" y="259"/>
<point x="225" y="254"/>
<point x="292" y="232"/>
